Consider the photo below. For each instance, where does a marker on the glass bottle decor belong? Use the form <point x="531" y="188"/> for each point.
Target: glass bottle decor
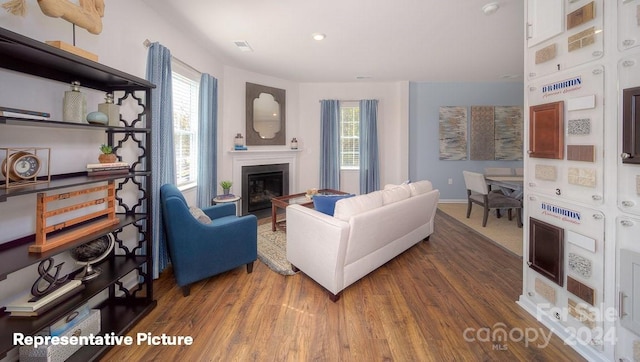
<point x="111" y="109"/>
<point x="238" y="142"/>
<point x="294" y="143"/>
<point x="74" y="105"/>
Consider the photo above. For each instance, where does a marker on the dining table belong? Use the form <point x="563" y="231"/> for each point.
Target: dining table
<point x="512" y="186"/>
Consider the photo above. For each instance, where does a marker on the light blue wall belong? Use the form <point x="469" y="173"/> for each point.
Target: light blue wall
<point x="425" y="99"/>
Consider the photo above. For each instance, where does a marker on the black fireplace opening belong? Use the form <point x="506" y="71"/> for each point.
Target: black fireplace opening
<point x="261" y="183"/>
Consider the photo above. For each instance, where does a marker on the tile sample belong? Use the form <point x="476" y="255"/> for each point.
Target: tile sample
<point x="581" y="291"/>
<point x="579" y="127"/>
<point x="585" y="153"/>
<point x="586" y="102"/>
<point x="581" y="313"/>
<point x="547" y="53"/>
<point x="581" y="15"/>
<point x="545" y="172"/>
<point x="582" y="39"/>
<point x="638" y="184"/>
<point x="580" y="265"/>
<point x="582" y="241"/>
<point x="582" y="176"/>
<point x="545" y="290"/>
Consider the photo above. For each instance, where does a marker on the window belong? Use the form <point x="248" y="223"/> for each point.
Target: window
<point x="186" y="84"/>
<point x="349" y="136"/>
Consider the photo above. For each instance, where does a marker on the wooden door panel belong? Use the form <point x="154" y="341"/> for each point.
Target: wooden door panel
<point x="631" y="126"/>
<point x="546" y="130"/>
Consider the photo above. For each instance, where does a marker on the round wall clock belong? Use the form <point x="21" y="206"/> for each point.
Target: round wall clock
<point x="21" y="166"/>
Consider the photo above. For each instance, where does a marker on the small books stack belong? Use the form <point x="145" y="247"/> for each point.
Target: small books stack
<point x="239" y="148"/>
<point x="105" y="169"/>
<point x="23" y="113"/>
<point x="26" y="306"/>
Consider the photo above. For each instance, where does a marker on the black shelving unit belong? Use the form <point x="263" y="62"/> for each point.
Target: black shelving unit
<point x="122" y="308"/>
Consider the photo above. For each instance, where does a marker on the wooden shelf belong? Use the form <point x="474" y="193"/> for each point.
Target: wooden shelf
<point x="15" y="254"/>
<point x="27" y="55"/>
<point x="63" y="181"/>
<point x="31" y="122"/>
<point x="112" y="270"/>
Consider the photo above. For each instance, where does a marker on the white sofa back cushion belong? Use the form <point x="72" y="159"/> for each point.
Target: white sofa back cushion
<point x="395" y="194"/>
<point x="420" y="187"/>
<point x="346" y="208"/>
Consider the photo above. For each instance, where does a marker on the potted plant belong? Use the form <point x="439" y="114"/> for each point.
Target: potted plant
<point x="226" y="186"/>
<point x="107" y="155"/>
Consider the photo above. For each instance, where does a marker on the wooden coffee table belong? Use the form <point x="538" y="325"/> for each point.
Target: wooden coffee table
<point x="295" y="199"/>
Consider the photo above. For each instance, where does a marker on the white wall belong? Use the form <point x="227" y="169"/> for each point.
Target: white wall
<point x="392" y="129"/>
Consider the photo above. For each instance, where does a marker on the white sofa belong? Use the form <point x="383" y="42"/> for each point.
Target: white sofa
<point x="365" y="232"/>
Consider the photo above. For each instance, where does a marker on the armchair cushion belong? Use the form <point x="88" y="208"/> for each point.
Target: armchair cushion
<point x="200" y="215"/>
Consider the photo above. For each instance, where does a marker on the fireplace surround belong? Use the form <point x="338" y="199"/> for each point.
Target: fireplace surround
<point x="260" y="183"/>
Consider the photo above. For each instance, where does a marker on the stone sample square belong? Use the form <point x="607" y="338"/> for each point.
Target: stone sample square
<point x="545" y="290"/>
<point x="580" y="265"/>
<point x="582" y="176"/>
<point x="580" y="127"/>
<point x="638" y="184"/>
<point x="547" y="53"/>
<point x="581" y="313"/>
<point x="582" y="39"/>
<point x="546" y="172"/>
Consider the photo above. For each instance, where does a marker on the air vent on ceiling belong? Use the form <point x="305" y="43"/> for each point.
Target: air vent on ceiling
<point x="243" y="45"/>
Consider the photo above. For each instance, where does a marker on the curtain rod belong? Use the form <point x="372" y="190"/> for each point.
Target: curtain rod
<point x="147" y="43"/>
<point x="343" y="100"/>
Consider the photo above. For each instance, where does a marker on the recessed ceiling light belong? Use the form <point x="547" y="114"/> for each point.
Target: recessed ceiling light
<point x="491" y="8"/>
<point x="318" y="36"/>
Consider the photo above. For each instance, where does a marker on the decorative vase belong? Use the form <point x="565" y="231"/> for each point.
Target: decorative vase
<point x="238" y="142"/>
<point x="225" y="191"/>
<point x="294" y="143"/>
<point x="97" y="118"/>
<point x="107" y="158"/>
<point x="74" y="105"/>
<point x="111" y="109"/>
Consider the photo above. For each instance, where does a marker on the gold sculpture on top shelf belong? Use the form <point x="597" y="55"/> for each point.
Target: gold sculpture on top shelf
<point x="87" y="15"/>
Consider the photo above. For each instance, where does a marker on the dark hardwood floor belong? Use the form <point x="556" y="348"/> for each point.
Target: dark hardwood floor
<point x="441" y="300"/>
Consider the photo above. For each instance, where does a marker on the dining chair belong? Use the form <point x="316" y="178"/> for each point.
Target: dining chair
<point x="478" y="193"/>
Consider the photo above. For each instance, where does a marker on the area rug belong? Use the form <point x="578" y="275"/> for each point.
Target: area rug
<point x="501" y="231"/>
<point x="272" y="249"/>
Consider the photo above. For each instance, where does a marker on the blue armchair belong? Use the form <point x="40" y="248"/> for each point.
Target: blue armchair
<point x="199" y="250"/>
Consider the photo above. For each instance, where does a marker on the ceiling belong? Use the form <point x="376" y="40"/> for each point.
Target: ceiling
<point x="366" y="40"/>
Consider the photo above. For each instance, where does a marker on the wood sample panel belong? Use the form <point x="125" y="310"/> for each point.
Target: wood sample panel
<point x="631" y="125"/>
<point x="585" y="153"/>
<point x="581" y="290"/>
<point x="546" y="130"/>
<point x="546" y="250"/>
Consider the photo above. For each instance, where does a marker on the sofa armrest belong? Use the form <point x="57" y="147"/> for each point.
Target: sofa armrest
<point x="316" y="244"/>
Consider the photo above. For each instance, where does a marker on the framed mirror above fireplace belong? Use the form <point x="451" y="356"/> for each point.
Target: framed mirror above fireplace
<point x="265" y="110"/>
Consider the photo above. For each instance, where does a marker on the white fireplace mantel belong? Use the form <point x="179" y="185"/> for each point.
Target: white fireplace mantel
<point x="267" y="156"/>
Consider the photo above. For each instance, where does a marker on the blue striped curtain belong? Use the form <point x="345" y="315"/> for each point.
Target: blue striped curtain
<point x="207" y="140"/>
<point x="330" y="144"/>
<point x="369" y="163"/>
<point x="162" y="155"/>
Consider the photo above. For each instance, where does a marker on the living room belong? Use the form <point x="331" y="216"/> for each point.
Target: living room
<point x="407" y="111"/>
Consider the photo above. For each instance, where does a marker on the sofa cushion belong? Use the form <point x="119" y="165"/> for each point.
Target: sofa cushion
<point x="395" y="194"/>
<point x="199" y="215"/>
<point x="420" y="187"/>
<point x="327" y="203"/>
<point x="346" y="208"/>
